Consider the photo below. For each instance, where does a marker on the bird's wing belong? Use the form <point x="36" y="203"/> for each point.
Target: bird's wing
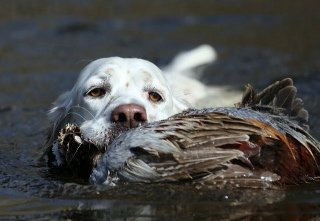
<point x="212" y="146"/>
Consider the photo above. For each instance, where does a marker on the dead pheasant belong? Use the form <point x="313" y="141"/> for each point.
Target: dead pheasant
<point x="264" y="140"/>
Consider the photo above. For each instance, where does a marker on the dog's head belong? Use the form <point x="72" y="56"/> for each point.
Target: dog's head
<point x="115" y="91"/>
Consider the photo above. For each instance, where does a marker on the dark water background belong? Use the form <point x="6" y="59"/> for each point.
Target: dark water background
<point x="44" y="44"/>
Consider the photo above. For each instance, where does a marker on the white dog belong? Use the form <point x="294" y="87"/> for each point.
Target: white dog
<point x="128" y="92"/>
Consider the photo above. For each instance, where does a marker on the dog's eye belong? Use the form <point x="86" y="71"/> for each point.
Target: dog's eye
<point x="97" y="92"/>
<point x="155" y="97"/>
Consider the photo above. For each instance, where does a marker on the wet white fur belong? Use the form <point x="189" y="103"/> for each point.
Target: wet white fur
<point x="128" y="80"/>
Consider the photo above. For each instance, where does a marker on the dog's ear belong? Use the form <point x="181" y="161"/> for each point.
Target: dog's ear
<point x="58" y="113"/>
<point x="179" y="105"/>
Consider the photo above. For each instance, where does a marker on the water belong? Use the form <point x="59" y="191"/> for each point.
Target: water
<point x="44" y="44"/>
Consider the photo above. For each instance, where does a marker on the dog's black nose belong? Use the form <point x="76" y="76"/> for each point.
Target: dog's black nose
<point x="129" y="115"/>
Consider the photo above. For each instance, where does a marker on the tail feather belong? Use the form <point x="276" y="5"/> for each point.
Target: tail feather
<point x="280" y="97"/>
<point x="285" y="97"/>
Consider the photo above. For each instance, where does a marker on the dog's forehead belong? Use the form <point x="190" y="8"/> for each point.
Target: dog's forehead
<point x="122" y="67"/>
<point x="136" y="69"/>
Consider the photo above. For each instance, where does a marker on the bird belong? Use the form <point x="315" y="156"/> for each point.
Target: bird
<point x="262" y="141"/>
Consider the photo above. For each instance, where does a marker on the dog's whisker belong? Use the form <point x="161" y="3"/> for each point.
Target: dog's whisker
<point x="76" y="114"/>
<point x="78" y="106"/>
<point x="75" y="153"/>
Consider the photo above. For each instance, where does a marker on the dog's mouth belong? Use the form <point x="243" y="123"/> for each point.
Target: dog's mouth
<point x="80" y="154"/>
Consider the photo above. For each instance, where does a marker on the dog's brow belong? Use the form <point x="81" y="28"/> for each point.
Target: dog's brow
<point x="109" y="70"/>
<point x="147" y="76"/>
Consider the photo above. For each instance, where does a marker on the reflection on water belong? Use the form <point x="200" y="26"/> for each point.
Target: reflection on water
<point x="43" y="46"/>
